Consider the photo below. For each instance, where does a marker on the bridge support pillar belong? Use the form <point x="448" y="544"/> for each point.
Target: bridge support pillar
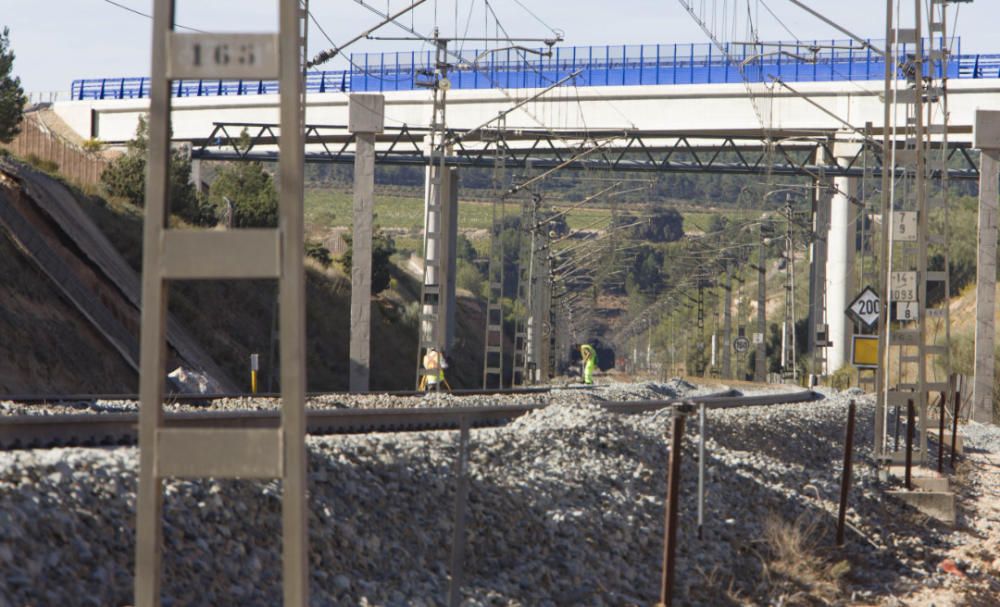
<point x="840" y="234"/>
<point x="366" y="119"/>
<point x="840" y="271"/>
<point x="987" y="138"/>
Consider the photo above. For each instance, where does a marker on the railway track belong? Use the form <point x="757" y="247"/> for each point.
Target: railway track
<point x="75" y="430"/>
<point x="178" y="397"/>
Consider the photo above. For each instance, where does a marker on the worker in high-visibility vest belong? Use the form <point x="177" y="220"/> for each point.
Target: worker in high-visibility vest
<point x="589" y="355"/>
<point x="433" y="360"/>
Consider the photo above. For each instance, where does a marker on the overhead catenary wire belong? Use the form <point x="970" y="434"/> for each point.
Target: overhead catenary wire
<point x="335" y="50"/>
<point x="148" y="16"/>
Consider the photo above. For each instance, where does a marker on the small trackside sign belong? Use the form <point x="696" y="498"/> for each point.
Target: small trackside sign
<point x="865" y="308"/>
<point x="864" y="351"/>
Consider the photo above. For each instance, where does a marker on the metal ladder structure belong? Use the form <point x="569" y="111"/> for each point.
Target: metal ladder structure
<point x="519" y="365"/>
<point x="432" y="327"/>
<point x="493" y="345"/>
<point x="789" y="368"/>
<point x="541" y="310"/>
<point x="920" y="358"/>
<point x="196" y="254"/>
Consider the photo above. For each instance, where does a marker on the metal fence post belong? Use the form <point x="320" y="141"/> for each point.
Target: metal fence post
<point x="673" y="490"/>
<point x="458" y="537"/>
<point x="954" y="426"/>
<point x="701" y="468"/>
<point x="845" y="479"/>
<point x="909" y="443"/>
<point x="944" y="407"/>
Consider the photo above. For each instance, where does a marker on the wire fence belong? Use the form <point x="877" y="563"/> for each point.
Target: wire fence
<point x="607" y="65"/>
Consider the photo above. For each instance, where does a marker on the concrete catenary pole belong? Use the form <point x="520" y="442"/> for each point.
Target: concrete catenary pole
<point x="815" y="314"/>
<point x="987" y="139"/>
<point x="449" y="251"/>
<point x="727" y="324"/>
<point x="760" y="356"/>
<point x="365" y="120"/>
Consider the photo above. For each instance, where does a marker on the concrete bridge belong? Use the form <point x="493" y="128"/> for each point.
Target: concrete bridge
<point x="692" y="89"/>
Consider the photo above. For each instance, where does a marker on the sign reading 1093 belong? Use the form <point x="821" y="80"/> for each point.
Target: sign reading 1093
<point x="903" y="286"/>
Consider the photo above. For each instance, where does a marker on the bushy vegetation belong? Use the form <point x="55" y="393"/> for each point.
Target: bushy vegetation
<point x="318" y="252"/>
<point x="383" y="248"/>
<point x="243" y="193"/>
<point x="125" y="177"/>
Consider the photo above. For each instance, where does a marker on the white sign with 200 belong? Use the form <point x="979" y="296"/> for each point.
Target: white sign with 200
<point x="865" y="308"/>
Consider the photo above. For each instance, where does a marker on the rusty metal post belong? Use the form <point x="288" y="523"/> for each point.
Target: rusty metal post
<point x="954" y="426"/>
<point x="944" y="407"/>
<point x="673" y="489"/>
<point x="909" y="443"/>
<point x="458" y="537"/>
<point x="895" y="440"/>
<point x="845" y="479"/>
<point x="701" y="468"/>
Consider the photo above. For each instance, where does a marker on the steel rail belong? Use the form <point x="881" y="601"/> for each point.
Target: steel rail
<point x="96" y="429"/>
<point x="43" y="399"/>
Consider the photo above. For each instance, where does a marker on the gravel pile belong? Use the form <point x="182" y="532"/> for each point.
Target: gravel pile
<point x="984" y="437"/>
<point x="565" y="508"/>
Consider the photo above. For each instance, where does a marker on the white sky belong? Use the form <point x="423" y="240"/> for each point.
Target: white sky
<point x="57" y="41"/>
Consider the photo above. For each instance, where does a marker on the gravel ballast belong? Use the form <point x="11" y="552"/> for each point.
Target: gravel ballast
<point x="565" y="508"/>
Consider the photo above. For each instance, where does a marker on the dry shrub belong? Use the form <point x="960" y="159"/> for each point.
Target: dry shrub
<point x="721" y="588"/>
<point x="795" y="568"/>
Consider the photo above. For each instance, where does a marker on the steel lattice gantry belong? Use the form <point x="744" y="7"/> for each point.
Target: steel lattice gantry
<point x="171" y="254"/>
<point x="790" y="153"/>
<point x="914" y="326"/>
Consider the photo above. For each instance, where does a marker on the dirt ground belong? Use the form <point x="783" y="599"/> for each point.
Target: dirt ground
<point x="975" y="579"/>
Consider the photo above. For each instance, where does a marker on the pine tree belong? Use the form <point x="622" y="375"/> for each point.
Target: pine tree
<point x="11" y="94"/>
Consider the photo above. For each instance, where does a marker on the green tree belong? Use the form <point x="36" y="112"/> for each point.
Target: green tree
<point x="11" y="94"/>
<point x="468" y="277"/>
<point x="250" y="189"/>
<point x="125" y="177"/>
<point x="383" y="248"/>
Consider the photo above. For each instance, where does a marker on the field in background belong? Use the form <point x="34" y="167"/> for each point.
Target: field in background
<point x="326" y="208"/>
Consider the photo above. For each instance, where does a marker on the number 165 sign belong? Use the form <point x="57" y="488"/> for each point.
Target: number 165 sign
<point x="223" y="56"/>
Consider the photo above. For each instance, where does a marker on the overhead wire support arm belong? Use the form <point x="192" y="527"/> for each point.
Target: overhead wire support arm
<point x="326" y="55"/>
<point x="501" y="115"/>
<point x="839" y="28"/>
<point x="586" y="200"/>
<point x="517" y="188"/>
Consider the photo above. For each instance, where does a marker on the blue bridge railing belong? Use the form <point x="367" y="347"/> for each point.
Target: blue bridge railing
<point x="618" y="65"/>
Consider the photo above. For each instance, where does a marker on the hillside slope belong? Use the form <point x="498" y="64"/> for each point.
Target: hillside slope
<point x="48" y="346"/>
